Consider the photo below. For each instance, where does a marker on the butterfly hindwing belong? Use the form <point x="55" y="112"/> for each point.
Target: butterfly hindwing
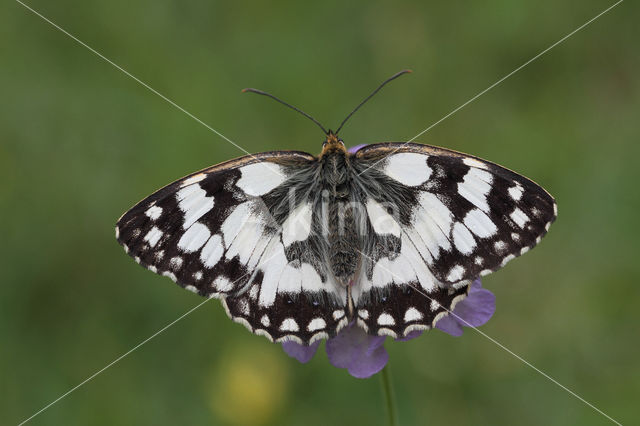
<point x="398" y="309"/>
<point x="464" y="216"/>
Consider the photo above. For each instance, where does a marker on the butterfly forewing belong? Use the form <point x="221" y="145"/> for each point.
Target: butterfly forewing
<point x="462" y="215"/>
<point x="219" y="232"/>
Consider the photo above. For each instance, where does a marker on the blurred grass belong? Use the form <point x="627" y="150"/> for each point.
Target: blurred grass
<point x="80" y="143"/>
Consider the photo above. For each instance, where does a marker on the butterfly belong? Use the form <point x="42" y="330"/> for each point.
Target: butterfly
<point x="297" y="246"/>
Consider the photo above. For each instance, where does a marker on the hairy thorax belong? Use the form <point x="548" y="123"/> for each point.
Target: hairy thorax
<point x="342" y="217"/>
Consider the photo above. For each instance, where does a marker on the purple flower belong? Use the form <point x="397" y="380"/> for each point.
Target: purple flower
<point x="355" y="149"/>
<point x="473" y="311"/>
<point x="363" y="355"/>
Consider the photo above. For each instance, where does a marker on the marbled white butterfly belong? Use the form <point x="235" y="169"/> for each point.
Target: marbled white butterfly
<point x="297" y="246"/>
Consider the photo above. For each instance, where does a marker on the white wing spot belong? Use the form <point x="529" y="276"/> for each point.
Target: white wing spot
<point x="472" y="162"/>
<point x="455" y="273"/>
<point x="337" y="314"/>
<point x="382" y="222"/>
<point x="479" y="261"/>
<point x="475" y="187"/>
<point x="316" y="324"/>
<point x="480" y="224"/>
<point x="289" y="324"/>
<point x="194" y="238"/>
<point x="154" y="212"/>
<point x="197" y="275"/>
<point x="523" y="250"/>
<point x="193" y="179"/>
<point x="170" y="275"/>
<point x="193" y="201"/>
<point x="363" y="313"/>
<point x="499" y="246"/>
<point x="175" y="263"/>
<point x="265" y="321"/>
<point x="153" y="236"/>
<point x="222" y="284"/>
<point x="515" y="192"/>
<point x="462" y="238"/>
<point x="515" y="237"/>
<point x="191" y="288"/>
<point x="386" y="319"/>
<point x="408" y="168"/>
<point x="234" y="223"/>
<point x="253" y="293"/>
<point x="508" y="258"/>
<point x="243" y="307"/>
<point x="259" y="178"/>
<point x="272" y="268"/>
<point x="412" y="314"/>
<point x="297" y="226"/>
<point x="212" y="251"/>
<point x="432" y="222"/>
<point x="519" y="217"/>
<point x="434" y="305"/>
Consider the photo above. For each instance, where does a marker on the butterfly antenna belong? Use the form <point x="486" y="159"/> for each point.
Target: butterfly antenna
<point x="260" y="92"/>
<point x="393" y="77"/>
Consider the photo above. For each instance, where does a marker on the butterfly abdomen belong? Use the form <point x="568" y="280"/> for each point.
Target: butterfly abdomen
<point x="343" y="238"/>
<point x="344" y="241"/>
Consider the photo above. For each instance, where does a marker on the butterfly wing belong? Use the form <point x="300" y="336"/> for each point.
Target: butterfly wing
<point x="438" y="219"/>
<point x="227" y="232"/>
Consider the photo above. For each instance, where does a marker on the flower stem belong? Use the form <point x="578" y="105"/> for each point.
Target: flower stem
<point x="387" y="391"/>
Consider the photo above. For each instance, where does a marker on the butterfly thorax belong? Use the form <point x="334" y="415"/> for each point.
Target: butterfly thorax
<point x="342" y="214"/>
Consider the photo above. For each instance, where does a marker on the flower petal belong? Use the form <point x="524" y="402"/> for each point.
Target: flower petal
<point x="478" y="307"/>
<point x="361" y="354"/>
<point x="302" y="353"/>
<point x="475" y="310"/>
<point x="369" y="365"/>
<point x="450" y="325"/>
<point x="355" y="149"/>
<point x="412" y="335"/>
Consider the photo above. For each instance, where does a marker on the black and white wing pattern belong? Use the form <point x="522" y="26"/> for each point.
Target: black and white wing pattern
<point x="227" y="232"/>
<point x="268" y="234"/>
<point x="438" y="219"/>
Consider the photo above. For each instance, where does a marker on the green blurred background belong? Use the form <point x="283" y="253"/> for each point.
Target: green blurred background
<point x="80" y="142"/>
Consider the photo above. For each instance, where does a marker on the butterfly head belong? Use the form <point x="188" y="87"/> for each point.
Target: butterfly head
<point x="333" y="144"/>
